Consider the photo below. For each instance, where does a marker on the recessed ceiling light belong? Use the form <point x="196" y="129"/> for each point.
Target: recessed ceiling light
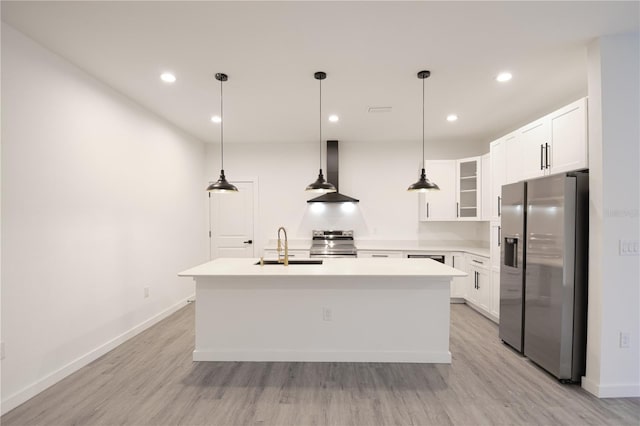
<point x="216" y="119"/>
<point x="333" y="118"/>
<point x="504" y="76"/>
<point x="452" y="117"/>
<point x="167" y="77"/>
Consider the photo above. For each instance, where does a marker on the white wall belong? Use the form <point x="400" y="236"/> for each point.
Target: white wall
<point x="614" y="157"/>
<point x="100" y="199"/>
<point x="376" y="174"/>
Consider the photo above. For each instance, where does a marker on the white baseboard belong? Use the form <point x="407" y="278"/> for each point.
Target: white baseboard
<point x="33" y="389"/>
<point x="627" y="390"/>
<point x="431" y="357"/>
<point x="479" y="310"/>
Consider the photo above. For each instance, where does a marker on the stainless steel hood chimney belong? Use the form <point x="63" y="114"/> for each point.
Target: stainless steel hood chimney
<point x="332" y="176"/>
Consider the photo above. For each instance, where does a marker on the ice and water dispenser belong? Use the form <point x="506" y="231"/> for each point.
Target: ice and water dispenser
<point x="510" y="251"/>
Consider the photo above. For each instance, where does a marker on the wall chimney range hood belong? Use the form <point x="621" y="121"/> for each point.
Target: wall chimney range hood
<point x="332" y="176"/>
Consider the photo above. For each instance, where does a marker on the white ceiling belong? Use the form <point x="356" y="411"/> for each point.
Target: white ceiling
<point x="371" y="52"/>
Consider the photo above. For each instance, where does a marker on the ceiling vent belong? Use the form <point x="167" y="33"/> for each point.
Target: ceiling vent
<point x="379" y="109"/>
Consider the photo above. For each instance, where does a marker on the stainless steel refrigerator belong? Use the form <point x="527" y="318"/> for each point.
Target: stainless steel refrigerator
<point x="543" y="271"/>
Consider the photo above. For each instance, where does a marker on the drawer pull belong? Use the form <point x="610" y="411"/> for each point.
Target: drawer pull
<point x="379" y="255"/>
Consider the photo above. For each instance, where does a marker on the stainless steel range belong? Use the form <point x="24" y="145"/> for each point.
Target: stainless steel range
<point x="333" y="244"/>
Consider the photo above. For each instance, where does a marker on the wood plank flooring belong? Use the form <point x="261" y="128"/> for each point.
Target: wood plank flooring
<point x="151" y="380"/>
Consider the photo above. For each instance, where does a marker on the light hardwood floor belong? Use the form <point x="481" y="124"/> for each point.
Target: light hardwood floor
<point x="151" y="380"/>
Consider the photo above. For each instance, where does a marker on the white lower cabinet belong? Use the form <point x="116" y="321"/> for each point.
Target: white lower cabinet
<point x="479" y="293"/>
<point x="459" y="285"/>
<point x="495" y="292"/>
<point x="379" y="253"/>
<point x="495" y="241"/>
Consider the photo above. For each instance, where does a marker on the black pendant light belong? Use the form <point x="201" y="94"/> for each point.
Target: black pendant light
<point x="221" y="185"/>
<point x="423" y="184"/>
<point x="320" y="185"/>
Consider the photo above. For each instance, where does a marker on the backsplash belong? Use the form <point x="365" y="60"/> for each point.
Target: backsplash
<point x="454" y="231"/>
<point x="350" y="216"/>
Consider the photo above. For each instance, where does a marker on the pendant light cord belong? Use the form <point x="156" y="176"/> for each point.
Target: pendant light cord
<point x="222" y="131"/>
<point x="422" y="162"/>
<point x="320" y="124"/>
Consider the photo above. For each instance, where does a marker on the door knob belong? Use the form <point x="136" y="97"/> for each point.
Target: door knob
<point x="248" y="242"/>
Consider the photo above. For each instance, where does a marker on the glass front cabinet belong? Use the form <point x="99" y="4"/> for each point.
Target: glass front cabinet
<point x="468" y="188"/>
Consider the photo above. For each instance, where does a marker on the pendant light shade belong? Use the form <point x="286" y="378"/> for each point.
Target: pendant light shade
<point x="423" y="184"/>
<point x="221" y="185"/>
<point x="320" y="185"/>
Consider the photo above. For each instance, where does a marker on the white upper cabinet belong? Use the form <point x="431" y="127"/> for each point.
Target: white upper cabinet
<point x="513" y="158"/>
<point x="534" y="140"/>
<point x="568" y="150"/>
<point x="485" y="174"/>
<point x="439" y="205"/>
<point x="495" y="241"/>
<point x="469" y="188"/>
<point x="459" y="197"/>
<point x="553" y="144"/>
<point x="498" y="153"/>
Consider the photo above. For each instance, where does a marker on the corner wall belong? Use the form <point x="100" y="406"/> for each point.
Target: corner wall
<point x="614" y="179"/>
<point x="100" y="199"/>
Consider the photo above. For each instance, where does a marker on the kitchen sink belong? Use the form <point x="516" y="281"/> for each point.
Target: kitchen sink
<point x="293" y="262"/>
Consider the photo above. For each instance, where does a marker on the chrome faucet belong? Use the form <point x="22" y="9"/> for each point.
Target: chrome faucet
<point x="285" y="259"/>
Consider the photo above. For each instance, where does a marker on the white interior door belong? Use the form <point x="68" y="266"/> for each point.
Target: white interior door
<point x="231" y="222"/>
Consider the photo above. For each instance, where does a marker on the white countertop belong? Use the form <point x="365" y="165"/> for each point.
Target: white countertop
<point x="399" y="245"/>
<point x="365" y="267"/>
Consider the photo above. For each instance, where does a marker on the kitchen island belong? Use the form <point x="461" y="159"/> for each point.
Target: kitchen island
<point x="344" y="310"/>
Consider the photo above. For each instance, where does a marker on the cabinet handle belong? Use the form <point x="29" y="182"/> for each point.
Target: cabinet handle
<point x="248" y="242"/>
<point x="477" y="261"/>
<point x="427" y="209"/>
<point x="478" y="280"/>
<point x="499" y="236"/>
<point x="453" y="261"/>
<point x="379" y="255"/>
<point x="457" y="209"/>
<point x="546" y="155"/>
<point x="499" y="205"/>
<point x="541" y="156"/>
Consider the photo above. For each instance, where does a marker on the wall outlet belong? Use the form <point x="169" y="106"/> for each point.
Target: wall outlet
<point x="624" y="340"/>
<point x="1" y="350"/>
<point x="146" y="292"/>
<point x="629" y="248"/>
<point x="327" y="315"/>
